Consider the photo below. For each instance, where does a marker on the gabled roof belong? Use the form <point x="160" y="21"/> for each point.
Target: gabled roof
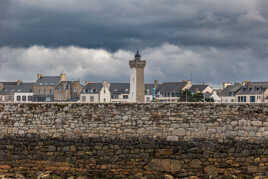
<point x="119" y="88"/>
<point x="48" y="80"/>
<point x="261" y="84"/>
<point x="231" y="90"/>
<point x="66" y="84"/>
<point x="252" y="89"/>
<point x="171" y="87"/>
<point x="92" y="88"/>
<point x="197" y="88"/>
<point x="12" y="87"/>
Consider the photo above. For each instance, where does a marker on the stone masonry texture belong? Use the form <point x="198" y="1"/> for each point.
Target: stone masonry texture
<point x="143" y="141"/>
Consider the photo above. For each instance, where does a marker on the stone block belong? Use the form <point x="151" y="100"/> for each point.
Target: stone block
<point x="179" y="132"/>
<point x="172" y="138"/>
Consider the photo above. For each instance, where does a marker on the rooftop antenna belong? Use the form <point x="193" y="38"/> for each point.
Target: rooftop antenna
<point x="191" y="77"/>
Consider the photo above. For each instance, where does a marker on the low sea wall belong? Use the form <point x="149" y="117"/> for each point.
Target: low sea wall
<point x="182" y="140"/>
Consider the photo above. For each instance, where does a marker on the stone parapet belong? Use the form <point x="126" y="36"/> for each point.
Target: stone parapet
<point x="180" y="140"/>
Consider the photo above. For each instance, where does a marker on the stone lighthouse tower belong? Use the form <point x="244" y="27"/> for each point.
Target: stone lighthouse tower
<point x="136" y="93"/>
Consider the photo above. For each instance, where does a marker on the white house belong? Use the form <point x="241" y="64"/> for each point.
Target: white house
<point x="105" y="94"/>
<point x="23" y="97"/>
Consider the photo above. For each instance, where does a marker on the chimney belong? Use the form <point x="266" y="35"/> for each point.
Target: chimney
<point x="226" y="84"/>
<point x="39" y="76"/>
<point x="62" y="77"/>
<point x="244" y="83"/>
<point x="189" y="84"/>
<point x="155" y="84"/>
<point x="19" y="82"/>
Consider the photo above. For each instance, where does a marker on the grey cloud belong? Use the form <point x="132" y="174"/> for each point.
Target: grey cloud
<point x="167" y="62"/>
<point x="213" y="40"/>
<point x="128" y="24"/>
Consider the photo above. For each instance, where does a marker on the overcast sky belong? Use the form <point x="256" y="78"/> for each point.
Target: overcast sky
<point x="93" y="40"/>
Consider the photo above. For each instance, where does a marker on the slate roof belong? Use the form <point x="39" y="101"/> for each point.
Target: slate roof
<point x="12" y="87"/>
<point x="171" y="87"/>
<point x="252" y="89"/>
<point x="197" y="88"/>
<point x="48" y="80"/>
<point x="92" y="88"/>
<point x="231" y="90"/>
<point x="67" y="84"/>
<point x="115" y="88"/>
<point x="119" y="88"/>
<point x="264" y="84"/>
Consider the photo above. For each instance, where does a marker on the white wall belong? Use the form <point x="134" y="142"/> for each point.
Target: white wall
<point x="215" y="97"/>
<point x="208" y="89"/>
<point x="148" y="98"/>
<point x="132" y="92"/>
<point x="228" y="99"/>
<point x="105" y="94"/>
<point x="121" y="99"/>
<point x="87" y="98"/>
<point x="21" y="96"/>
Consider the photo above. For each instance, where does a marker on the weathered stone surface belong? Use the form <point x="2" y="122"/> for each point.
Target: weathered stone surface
<point x="165" y="165"/>
<point x="121" y="140"/>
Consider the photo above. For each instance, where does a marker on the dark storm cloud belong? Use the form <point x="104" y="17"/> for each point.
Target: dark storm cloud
<point x="213" y="40"/>
<point x="128" y="24"/>
<point x="4" y="7"/>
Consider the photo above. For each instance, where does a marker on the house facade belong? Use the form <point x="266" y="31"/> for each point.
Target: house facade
<point x="45" y="86"/>
<point x="253" y="92"/>
<point x="91" y="93"/>
<point x="18" y="92"/>
<point x="229" y="92"/>
<point x="68" y="91"/>
<point x="171" y="91"/>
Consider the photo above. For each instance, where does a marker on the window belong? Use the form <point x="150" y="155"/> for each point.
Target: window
<point x="115" y="96"/>
<point x="51" y="91"/>
<point x="252" y="99"/>
<point x="45" y="91"/>
<point x="104" y="99"/>
<point x="23" y="98"/>
<point x="125" y="96"/>
<point x="30" y="98"/>
<point x="18" y="98"/>
<point x="148" y="99"/>
<point x="83" y="98"/>
<point x="39" y="91"/>
<point x="242" y="99"/>
<point x="91" y="98"/>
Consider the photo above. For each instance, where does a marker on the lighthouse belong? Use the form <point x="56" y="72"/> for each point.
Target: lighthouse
<point x="136" y="93"/>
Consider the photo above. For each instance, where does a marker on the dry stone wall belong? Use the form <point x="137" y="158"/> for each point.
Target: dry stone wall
<point x="134" y="140"/>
